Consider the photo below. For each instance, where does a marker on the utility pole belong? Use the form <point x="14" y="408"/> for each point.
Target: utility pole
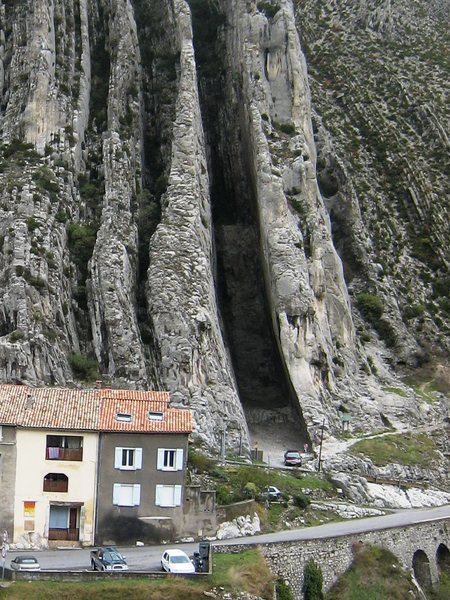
<point x="320" y="448"/>
<point x="223" y="443"/>
<point x="224" y="440"/>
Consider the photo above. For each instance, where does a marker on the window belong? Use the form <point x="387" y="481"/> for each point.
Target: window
<point x="125" y="417"/>
<point x="128" y="458"/>
<point x="56" y="482"/>
<point x="126" y="494"/>
<point x="170" y="460"/>
<point x="154" y="415"/>
<point x="168" y="495"/>
<point x="64" y="447"/>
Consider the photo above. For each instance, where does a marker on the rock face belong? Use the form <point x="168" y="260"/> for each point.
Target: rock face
<point x="241" y="202"/>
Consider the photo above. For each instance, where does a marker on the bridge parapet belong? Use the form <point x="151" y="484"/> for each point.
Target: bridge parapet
<point x="334" y="555"/>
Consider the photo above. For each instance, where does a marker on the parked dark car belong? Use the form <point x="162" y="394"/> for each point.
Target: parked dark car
<point x="25" y="563"/>
<point x="108" y="558"/>
<point x="292" y="458"/>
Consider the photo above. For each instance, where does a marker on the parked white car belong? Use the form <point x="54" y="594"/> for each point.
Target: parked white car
<point x="177" y="561"/>
<point x="25" y="563"/>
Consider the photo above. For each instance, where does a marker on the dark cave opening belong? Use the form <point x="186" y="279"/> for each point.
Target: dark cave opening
<point x="248" y="326"/>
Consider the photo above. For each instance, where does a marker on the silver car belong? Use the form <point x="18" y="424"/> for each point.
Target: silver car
<point x="25" y="563"/>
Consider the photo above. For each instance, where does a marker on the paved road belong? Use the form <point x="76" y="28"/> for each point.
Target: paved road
<point x="147" y="558"/>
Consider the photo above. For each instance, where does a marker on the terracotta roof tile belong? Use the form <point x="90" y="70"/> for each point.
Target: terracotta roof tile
<point x="55" y="408"/>
<point x="95" y="410"/>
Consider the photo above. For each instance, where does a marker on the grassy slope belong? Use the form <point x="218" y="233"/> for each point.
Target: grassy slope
<point x="406" y="449"/>
<point x="375" y="574"/>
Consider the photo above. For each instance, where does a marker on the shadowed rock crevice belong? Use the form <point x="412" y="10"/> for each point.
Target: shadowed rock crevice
<point x="241" y="288"/>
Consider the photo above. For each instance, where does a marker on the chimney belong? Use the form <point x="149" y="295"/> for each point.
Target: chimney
<point x="30" y="401"/>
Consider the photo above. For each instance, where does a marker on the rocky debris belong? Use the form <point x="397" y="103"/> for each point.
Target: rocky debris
<point x="347" y="511"/>
<point x="30" y="541"/>
<point x="239" y="527"/>
<point x="358" y="490"/>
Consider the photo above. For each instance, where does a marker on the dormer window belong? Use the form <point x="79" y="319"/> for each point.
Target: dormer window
<point x="154" y="415"/>
<point x="123" y="417"/>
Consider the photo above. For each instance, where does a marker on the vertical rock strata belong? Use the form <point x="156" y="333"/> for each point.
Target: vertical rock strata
<point x="303" y="274"/>
<point x="181" y="296"/>
<point x="112" y="285"/>
<point x="178" y="209"/>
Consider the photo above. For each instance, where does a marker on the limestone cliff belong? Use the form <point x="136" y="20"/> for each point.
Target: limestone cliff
<point x="242" y="202"/>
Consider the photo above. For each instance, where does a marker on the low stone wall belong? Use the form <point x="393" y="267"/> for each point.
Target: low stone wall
<point x="229" y="512"/>
<point x="335" y="555"/>
<point x="88" y="575"/>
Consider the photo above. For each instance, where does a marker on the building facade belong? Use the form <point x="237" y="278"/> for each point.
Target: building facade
<point x="55" y="489"/>
<point x="79" y="467"/>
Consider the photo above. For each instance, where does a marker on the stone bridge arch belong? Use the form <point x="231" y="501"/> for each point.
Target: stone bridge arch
<point x="421" y="568"/>
<point x="443" y="559"/>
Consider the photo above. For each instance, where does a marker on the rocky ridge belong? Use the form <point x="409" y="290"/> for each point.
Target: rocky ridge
<point x="242" y="202"/>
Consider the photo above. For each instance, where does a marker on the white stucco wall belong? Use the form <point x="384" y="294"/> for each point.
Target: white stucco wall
<point x="32" y="467"/>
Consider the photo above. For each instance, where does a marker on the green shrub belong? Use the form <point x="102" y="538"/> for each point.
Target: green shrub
<point x="224" y="494"/>
<point x="250" y="490"/>
<point x="200" y="462"/>
<point x="81" y="245"/>
<point x="44" y="180"/>
<point x="370" y="306"/>
<point x="32" y="224"/>
<point x="413" y="311"/>
<point x="312" y="582"/>
<point x="288" y="128"/>
<point x="301" y="501"/>
<point x="282" y="590"/>
<point x="16" y="336"/>
<point x="61" y="216"/>
<point x="16" y="147"/>
<point x="83" y="367"/>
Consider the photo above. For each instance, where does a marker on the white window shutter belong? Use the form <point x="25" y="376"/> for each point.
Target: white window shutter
<point x="179" y="460"/>
<point x="116" y="493"/>
<point x="118" y="458"/>
<point x="136" y="494"/>
<point x="177" y="495"/>
<point x="138" y="458"/>
<point x="160" y="463"/>
<point x="158" y="495"/>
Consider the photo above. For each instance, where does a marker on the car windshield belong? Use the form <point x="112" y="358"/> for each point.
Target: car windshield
<point x="27" y="561"/>
<point x="114" y="557"/>
<point x="293" y="455"/>
<point x="179" y="559"/>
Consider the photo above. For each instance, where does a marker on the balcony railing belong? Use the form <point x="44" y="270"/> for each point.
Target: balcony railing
<point x="71" y="535"/>
<point x="55" y="453"/>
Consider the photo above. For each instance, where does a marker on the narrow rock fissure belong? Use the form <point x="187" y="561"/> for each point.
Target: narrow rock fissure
<point x="263" y="385"/>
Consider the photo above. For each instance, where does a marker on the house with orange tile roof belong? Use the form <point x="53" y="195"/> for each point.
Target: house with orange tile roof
<point x="142" y="459"/>
<point x="81" y="467"/>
